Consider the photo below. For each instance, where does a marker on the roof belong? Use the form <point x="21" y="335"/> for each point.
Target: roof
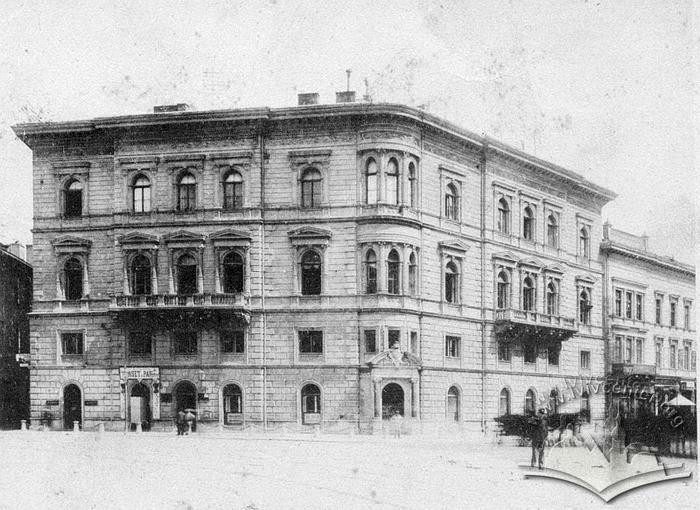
<point x="634" y="252"/>
<point x="30" y="130"/>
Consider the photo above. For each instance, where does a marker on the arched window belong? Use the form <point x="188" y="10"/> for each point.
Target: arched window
<point x="503" y="223"/>
<point x="412" y="274"/>
<point x="503" y="290"/>
<point x="553" y="401"/>
<point x="233" y="273"/>
<point x="552" y="299"/>
<point x="73" y="199"/>
<point x="530" y="402"/>
<point x="233" y="403"/>
<point x="584" y="307"/>
<point x="451" y="202"/>
<point x="552" y="232"/>
<point x="392" y="182"/>
<point x="504" y="402"/>
<point x="233" y="191"/>
<point x="310" y="403"/>
<point x="310" y="273"/>
<point x="393" y="273"/>
<point x="585" y="242"/>
<point x="412" y="185"/>
<point x="311" y="188"/>
<point x="451" y="283"/>
<point x="371" y="181"/>
<point x="528" y="294"/>
<point x="453" y="404"/>
<point x="141" y="194"/>
<point x="528" y="224"/>
<point x="186" y="192"/>
<point x="370" y="272"/>
<point x="140" y="275"/>
<point x="186" y="275"/>
<point x="73" y="277"/>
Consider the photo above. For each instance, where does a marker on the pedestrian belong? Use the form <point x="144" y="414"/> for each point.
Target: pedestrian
<point x="396" y="420"/>
<point x="180" y="420"/>
<point x="539" y="430"/>
<point x="189" y="419"/>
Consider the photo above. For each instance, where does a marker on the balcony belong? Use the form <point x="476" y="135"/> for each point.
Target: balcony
<point x="172" y="311"/>
<point x="524" y="326"/>
<point x="627" y="369"/>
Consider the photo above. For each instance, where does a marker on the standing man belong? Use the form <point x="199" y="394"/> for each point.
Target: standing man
<point x="180" y="422"/>
<point x="539" y="432"/>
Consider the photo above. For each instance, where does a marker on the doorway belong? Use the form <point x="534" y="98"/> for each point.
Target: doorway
<point x="186" y="398"/>
<point x="72" y="406"/>
<point x="140" y="407"/>
<point x="392" y="400"/>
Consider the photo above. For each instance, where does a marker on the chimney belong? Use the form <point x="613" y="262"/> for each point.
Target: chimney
<point x="18" y="250"/>
<point x="169" y="108"/>
<point x="347" y="96"/>
<point x="308" y="98"/>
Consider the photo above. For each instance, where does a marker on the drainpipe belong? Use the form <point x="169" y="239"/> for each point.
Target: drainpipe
<point x="261" y="239"/>
<point x="483" y="285"/>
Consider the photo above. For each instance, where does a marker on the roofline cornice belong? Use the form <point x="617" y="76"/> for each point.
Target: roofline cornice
<point x="620" y="249"/>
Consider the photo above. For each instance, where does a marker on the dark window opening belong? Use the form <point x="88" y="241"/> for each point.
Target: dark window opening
<point x="310" y="400"/>
<point x="186" y="193"/>
<point x="529" y="353"/>
<point x="73" y="279"/>
<point x="72" y="343"/>
<point x="394" y="338"/>
<point x="140" y="343"/>
<point x="528" y="224"/>
<point x="311" y="273"/>
<point x="451" y="283"/>
<point x="74" y="199"/>
<point x="233" y="273"/>
<point x="141" y="194"/>
<point x="371" y="181"/>
<point x="370" y="341"/>
<point x="140" y="275"/>
<point x="311" y="342"/>
<point x="392" y="182"/>
<point x="233" y="191"/>
<point x="371" y="272"/>
<point x="185" y="342"/>
<point x="232" y="342"/>
<point x="187" y="275"/>
<point x="311" y="188"/>
<point x="393" y="272"/>
<point x="233" y="403"/>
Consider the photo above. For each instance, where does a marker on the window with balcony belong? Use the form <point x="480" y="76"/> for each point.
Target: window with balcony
<point x="371" y="181"/>
<point x="310" y="273"/>
<point x="618" y="302"/>
<point x="585" y="360"/>
<point x="140" y="343"/>
<point x="233" y="273"/>
<point x="370" y="341"/>
<point x="186" y="275"/>
<point x="392" y="182"/>
<point x="185" y="343"/>
<point x="584" y="243"/>
<point x="412" y="275"/>
<point x="503" y="219"/>
<point x="412" y="185"/>
<point x="528" y="224"/>
<point x="529" y="353"/>
<point x="584" y="306"/>
<point x="73" y="279"/>
<point x="73" y="199"/>
<point x="503" y="290"/>
<point x="393" y="273"/>
<point x="504" y="352"/>
<point x="233" y="191"/>
<point x="552" y="299"/>
<point x="451" y="202"/>
<point x="528" y="294"/>
<point x="451" y="283"/>
<point x="141" y="194"/>
<point x="311" y="342"/>
<point x="452" y="346"/>
<point x="186" y="192"/>
<point x="552" y="231"/>
<point x="232" y="341"/>
<point x="370" y="272"/>
<point x="504" y="402"/>
<point x="140" y="275"/>
<point x="72" y="343"/>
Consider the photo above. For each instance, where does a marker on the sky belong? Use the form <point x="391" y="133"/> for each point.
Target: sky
<point x="604" y="88"/>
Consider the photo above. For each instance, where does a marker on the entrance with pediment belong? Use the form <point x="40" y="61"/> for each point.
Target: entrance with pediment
<point x="392" y="401"/>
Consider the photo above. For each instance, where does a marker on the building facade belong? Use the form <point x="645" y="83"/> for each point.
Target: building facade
<point x="15" y="304"/>
<point x="325" y="265"/>
<point x="651" y="340"/>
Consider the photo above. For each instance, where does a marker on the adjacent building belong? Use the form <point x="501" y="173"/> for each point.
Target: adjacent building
<point x="327" y="265"/>
<point x="15" y="304"/>
<point x="651" y="340"/>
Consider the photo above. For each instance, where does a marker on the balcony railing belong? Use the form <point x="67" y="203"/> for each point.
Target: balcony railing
<point x="177" y="301"/>
<point x="528" y="317"/>
<point x="514" y="325"/>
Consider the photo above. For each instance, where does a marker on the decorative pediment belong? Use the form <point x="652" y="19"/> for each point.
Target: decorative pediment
<point x="454" y="246"/>
<point x="138" y="240"/>
<point x="71" y="244"/>
<point x="230" y="237"/>
<point x="318" y="157"/>
<point x="554" y="269"/>
<point x="505" y="257"/>
<point x="183" y="238"/>
<point x="395" y="358"/>
<point x="531" y="263"/>
<point x="309" y="236"/>
<point x="585" y="279"/>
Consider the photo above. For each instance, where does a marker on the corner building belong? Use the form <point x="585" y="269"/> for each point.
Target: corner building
<point x="324" y="265"/>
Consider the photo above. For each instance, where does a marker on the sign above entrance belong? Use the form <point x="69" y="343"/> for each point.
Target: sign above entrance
<point x="139" y="373"/>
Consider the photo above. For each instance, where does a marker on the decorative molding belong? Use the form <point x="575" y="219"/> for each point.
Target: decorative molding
<point x="71" y="244"/>
<point x="230" y="237"/>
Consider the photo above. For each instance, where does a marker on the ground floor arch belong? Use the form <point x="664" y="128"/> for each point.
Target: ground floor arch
<point x="140" y="406"/>
<point x="392" y="400"/>
<point x="72" y="406"/>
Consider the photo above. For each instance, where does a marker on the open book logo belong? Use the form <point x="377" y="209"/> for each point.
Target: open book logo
<point x="605" y="472"/>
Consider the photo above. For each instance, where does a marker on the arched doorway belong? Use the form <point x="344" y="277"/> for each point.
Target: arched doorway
<point x="186" y="398"/>
<point x="453" y="404"/>
<point x="72" y="406"/>
<point x="392" y="400"/>
<point x="140" y="407"/>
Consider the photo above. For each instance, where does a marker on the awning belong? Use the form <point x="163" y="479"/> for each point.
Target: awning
<point x="680" y="401"/>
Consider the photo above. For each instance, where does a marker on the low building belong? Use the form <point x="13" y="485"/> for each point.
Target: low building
<point x="15" y="304"/>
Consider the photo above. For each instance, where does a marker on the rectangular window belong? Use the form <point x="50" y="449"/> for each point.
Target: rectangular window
<point x="71" y="343"/>
<point x="672" y="355"/>
<point x="618" y="349"/>
<point x="370" y="340"/>
<point x="232" y="342"/>
<point x="311" y="342"/>
<point x="185" y="343"/>
<point x="585" y="359"/>
<point x="693" y="361"/>
<point x="618" y="303"/>
<point x="504" y="352"/>
<point x="639" y="312"/>
<point x="452" y="346"/>
<point x="686" y="317"/>
<point x="640" y="350"/>
<point x="673" y="314"/>
<point x="628" y="305"/>
<point x="658" y="355"/>
<point x="686" y="357"/>
<point x="553" y="356"/>
<point x="529" y="353"/>
<point x="394" y="338"/>
<point x="414" y="342"/>
<point x="628" y="350"/>
<point x="658" y="310"/>
<point x="140" y="343"/>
